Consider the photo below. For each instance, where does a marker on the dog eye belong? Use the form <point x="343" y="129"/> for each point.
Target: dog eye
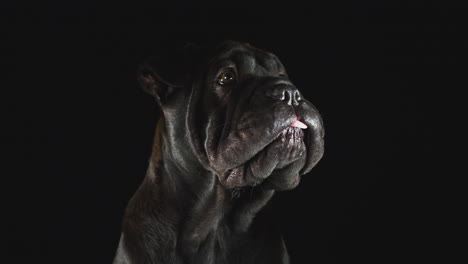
<point x="227" y="78"/>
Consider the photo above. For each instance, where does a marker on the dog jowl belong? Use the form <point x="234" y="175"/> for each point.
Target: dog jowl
<point x="234" y="130"/>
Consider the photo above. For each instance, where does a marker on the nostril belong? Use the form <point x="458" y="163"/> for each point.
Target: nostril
<point x="283" y="96"/>
<point x="278" y="94"/>
<point x="286" y="96"/>
<point x="297" y="96"/>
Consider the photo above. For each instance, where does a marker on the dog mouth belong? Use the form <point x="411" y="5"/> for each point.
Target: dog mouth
<point x="291" y="142"/>
<point x="286" y="148"/>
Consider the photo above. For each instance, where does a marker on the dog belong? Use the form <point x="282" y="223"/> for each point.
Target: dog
<point x="233" y="131"/>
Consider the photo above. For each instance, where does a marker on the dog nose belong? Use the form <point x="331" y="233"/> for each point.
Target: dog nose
<point x="287" y="93"/>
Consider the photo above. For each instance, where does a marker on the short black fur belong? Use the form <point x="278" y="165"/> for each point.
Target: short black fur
<point x="220" y="153"/>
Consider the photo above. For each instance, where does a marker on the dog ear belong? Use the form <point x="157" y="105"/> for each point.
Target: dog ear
<point x="162" y="76"/>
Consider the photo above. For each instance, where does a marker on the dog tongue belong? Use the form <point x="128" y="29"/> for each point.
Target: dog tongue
<point x="299" y="124"/>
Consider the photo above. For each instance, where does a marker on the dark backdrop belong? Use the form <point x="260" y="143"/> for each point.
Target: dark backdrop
<point x="82" y="129"/>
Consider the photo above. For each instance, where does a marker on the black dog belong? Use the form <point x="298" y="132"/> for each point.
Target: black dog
<point x="234" y="130"/>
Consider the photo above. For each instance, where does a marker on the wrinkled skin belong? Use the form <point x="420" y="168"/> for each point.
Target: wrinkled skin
<point x="223" y="147"/>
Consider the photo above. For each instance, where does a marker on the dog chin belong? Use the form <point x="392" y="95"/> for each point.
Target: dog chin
<point x="282" y="183"/>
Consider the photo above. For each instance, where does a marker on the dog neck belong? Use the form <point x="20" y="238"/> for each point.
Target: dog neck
<point x="191" y="202"/>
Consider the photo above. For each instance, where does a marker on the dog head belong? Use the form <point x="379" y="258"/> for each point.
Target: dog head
<point x="239" y="114"/>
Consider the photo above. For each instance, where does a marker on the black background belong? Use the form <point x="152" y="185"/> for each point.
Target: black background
<point x="82" y="129"/>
